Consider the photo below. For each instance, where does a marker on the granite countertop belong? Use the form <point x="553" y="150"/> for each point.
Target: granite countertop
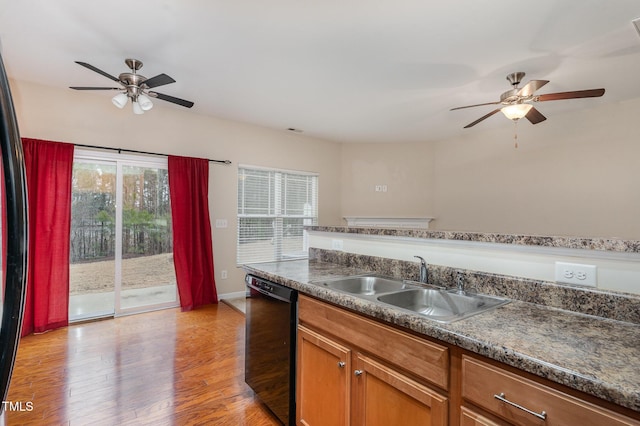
<point x="597" y="244"/>
<point x="594" y="355"/>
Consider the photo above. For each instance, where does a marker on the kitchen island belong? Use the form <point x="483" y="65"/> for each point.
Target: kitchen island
<point x="596" y="356"/>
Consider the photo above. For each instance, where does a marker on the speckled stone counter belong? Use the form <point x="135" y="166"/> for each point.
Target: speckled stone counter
<point x="599" y="244"/>
<point x="598" y="356"/>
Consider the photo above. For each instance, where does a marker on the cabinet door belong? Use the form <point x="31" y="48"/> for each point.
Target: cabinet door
<point x="384" y="396"/>
<point x="323" y="386"/>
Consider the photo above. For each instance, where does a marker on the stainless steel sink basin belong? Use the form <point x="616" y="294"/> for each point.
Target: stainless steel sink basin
<point x="366" y="285"/>
<point x="433" y="303"/>
<point x="442" y="306"/>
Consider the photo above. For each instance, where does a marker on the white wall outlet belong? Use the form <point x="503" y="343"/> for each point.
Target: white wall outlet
<point x="224" y="275"/>
<point x="221" y="223"/>
<point x="384" y="188"/>
<point x="575" y="273"/>
<point x="337" y="245"/>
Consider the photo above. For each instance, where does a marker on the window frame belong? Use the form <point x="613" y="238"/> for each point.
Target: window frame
<point x="276" y="210"/>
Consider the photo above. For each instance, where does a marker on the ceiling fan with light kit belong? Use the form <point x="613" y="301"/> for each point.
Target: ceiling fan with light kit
<point x="136" y="87"/>
<point x="518" y="102"/>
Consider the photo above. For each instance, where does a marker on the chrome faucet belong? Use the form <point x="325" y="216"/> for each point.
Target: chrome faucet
<point x="424" y="277"/>
<point x="460" y="282"/>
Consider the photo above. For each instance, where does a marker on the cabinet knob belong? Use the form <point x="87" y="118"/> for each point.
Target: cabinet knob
<point x="358" y="372"/>
<point x="341" y="364"/>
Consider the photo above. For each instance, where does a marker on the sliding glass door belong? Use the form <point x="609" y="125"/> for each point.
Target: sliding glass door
<point x="92" y="248"/>
<point x="148" y="276"/>
<point x="121" y="244"/>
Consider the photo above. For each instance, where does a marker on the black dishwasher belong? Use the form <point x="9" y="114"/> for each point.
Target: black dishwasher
<point x="270" y="345"/>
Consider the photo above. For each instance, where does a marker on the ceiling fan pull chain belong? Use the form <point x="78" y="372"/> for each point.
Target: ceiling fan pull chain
<point x="515" y="132"/>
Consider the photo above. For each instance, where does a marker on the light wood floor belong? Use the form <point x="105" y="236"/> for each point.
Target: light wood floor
<point x="160" y="368"/>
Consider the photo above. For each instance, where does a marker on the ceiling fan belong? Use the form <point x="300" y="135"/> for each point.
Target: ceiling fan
<point x="136" y="87"/>
<point x="517" y="102"/>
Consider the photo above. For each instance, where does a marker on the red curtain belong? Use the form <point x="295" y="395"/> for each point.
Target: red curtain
<point x="48" y="167"/>
<point x="192" y="246"/>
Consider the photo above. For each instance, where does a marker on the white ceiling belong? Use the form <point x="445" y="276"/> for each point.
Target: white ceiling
<point x="348" y="70"/>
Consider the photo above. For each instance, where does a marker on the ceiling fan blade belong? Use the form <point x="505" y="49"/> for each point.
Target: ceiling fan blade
<point x="529" y="88"/>
<point x="471" y="106"/>
<point x="484" y="117"/>
<point x="158" y="80"/>
<point x="591" y="93"/>
<point x="168" y="98"/>
<point x="535" y="116"/>
<point x="99" y="71"/>
<point x="94" y="88"/>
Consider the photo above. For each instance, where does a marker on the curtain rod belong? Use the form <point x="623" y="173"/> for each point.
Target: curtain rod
<point x="120" y="150"/>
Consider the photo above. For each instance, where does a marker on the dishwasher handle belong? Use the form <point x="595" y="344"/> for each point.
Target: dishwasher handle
<point x="267" y="292"/>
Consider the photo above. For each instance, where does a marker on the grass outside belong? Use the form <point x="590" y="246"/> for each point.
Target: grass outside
<point x="138" y="272"/>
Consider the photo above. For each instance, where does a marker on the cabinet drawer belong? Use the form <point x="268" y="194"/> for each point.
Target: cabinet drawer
<point x="483" y="383"/>
<point x="420" y="357"/>
<point x="471" y="418"/>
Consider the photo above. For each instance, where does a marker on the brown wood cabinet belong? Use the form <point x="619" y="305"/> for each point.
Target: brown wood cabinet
<point x="521" y="401"/>
<point x="382" y="396"/>
<point x="323" y="380"/>
<point x="353" y="370"/>
<point x="341" y="382"/>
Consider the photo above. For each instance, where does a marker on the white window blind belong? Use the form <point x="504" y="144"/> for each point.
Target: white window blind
<point x="273" y="207"/>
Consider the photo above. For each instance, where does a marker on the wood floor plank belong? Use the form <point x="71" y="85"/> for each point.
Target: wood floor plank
<point x="160" y="368"/>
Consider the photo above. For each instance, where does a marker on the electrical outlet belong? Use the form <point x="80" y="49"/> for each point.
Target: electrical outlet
<point x="575" y="273"/>
<point x="337" y="245"/>
<point x="224" y="275"/>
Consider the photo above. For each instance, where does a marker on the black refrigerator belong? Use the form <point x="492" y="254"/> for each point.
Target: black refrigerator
<point x="14" y="235"/>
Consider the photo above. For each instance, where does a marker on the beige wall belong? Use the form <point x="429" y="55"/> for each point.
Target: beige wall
<point x="90" y="118"/>
<point x="405" y="169"/>
<point x="575" y="174"/>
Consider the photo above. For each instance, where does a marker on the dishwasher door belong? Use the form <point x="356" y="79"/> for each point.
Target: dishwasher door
<point x="270" y="368"/>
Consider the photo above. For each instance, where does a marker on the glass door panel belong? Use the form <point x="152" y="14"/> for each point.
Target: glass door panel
<point x="92" y="248"/>
<point x="121" y="258"/>
<point x="147" y="272"/>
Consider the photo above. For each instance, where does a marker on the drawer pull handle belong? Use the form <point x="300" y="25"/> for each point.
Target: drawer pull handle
<point x="358" y="372"/>
<point x="502" y="398"/>
<point x="341" y="364"/>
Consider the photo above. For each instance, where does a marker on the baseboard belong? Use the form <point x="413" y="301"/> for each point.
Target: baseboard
<point x="234" y="295"/>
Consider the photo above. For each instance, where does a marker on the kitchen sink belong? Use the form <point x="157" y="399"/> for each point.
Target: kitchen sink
<point x="442" y="306"/>
<point x="365" y="285"/>
<point x="435" y="303"/>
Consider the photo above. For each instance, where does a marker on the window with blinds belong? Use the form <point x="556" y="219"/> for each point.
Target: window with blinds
<point x="273" y="208"/>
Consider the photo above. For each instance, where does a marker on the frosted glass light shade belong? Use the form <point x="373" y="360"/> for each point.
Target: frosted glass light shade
<point x="516" y="111"/>
<point x="137" y="109"/>
<point x="120" y="100"/>
<point x="145" y="103"/>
